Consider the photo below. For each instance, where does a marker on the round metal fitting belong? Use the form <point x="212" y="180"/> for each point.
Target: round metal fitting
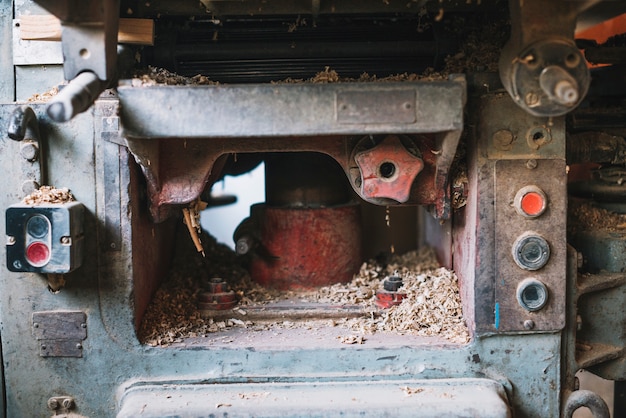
<point x="29" y="151"/>
<point x="392" y="283"/>
<point x="532" y="295"/>
<point x="531" y="251"/>
<point x="547" y="78"/>
<point x="530" y="201"/>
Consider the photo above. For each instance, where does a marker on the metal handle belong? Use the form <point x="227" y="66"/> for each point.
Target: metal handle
<point x="588" y="399"/>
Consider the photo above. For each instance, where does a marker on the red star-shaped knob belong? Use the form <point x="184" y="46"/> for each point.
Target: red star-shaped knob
<point x="388" y="170"/>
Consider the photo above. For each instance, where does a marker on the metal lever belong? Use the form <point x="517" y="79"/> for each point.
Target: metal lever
<point x="23" y="127"/>
<point x="76" y="97"/>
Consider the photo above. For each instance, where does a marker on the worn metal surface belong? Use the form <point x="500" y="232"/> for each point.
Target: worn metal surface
<point x="24" y="127"/>
<point x="115" y="288"/>
<point x="540" y="66"/>
<point x="89" y="36"/>
<point x="304" y="248"/>
<point x="7" y="78"/>
<point x="388" y="170"/>
<point x="402" y="398"/>
<point x="249" y="113"/>
<point x="549" y="228"/>
<point x="261" y="110"/>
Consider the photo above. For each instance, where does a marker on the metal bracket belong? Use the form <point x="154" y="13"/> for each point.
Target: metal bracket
<point x="23" y="127"/>
<point x="60" y="333"/>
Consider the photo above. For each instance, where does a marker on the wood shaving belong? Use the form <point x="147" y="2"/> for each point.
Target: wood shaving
<point x="480" y="49"/>
<point x="44" y="97"/>
<point x="153" y="76"/>
<point x="352" y="339"/>
<point x="328" y="75"/>
<point x="48" y="195"/>
<point x="588" y="217"/>
<point x="411" y="391"/>
<point x="432" y="306"/>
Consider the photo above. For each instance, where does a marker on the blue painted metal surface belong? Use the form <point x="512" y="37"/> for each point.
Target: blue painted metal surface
<point x="414" y="398"/>
<point x="113" y="359"/>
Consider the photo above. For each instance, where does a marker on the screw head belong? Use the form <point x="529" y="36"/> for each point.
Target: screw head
<point x="531" y="164"/>
<point x="529" y="324"/>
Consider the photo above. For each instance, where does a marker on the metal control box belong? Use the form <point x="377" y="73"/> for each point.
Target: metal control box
<point x="45" y="238"/>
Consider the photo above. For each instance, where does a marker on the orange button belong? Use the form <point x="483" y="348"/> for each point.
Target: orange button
<point x="530" y="201"/>
<point x="532" y="204"/>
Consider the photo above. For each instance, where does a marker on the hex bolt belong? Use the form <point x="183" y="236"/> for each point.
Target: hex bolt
<point x="529" y="324"/>
<point x="68" y="403"/>
<point x="53" y="404"/>
<point x="30" y="151"/>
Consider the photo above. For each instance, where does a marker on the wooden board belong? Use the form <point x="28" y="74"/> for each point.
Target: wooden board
<point x="48" y="28"/>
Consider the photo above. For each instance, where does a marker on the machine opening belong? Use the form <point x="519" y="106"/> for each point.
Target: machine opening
<point x="317" y="261"/>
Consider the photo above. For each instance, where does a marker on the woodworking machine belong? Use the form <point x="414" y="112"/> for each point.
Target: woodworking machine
<point x="488" y="120"/>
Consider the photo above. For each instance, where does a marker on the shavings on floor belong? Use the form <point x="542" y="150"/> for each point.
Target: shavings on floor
<point x="432" y="305"/>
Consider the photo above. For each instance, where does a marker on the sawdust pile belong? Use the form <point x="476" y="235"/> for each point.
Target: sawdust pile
<point x="480" y="49"/>
<point x="328" y="75"/>
<point x="153" y="76"/>
<point x="431" y="308"/>
<point x="48" y="195"/>
<point x="585" y="216"/>
<point x="43" y="97"/>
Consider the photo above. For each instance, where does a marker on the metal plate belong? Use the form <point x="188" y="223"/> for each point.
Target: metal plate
<point x="413" y="398"/>
<point x="260" y="110"/>
<point x="60" y="333"/>
<point x="60" y="325"/>
<point x="511" y="176"/>
<point x="384" y="106"/>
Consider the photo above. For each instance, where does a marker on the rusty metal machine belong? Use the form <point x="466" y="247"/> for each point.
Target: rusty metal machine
<point x="516" y="161"/>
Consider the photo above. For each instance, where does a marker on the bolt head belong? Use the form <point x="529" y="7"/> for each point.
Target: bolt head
<point x="29" y="151"/>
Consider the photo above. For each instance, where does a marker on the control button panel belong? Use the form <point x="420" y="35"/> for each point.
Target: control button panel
<point x="46" y="238"/>
<point x="530" y="245"/>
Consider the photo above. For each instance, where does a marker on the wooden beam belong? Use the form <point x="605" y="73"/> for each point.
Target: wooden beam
<point x="48" y="28"/>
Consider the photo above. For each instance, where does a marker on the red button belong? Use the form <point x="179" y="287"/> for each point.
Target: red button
<point x="37" y="254"/>
<point x="530" y="201"/>
<point x="532" y="204"/>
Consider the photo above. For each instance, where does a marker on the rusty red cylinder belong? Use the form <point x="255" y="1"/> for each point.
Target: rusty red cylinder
<point x="305" y="248"/>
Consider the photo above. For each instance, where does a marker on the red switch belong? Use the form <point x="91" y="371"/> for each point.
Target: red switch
<point x="530" y="201"/>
